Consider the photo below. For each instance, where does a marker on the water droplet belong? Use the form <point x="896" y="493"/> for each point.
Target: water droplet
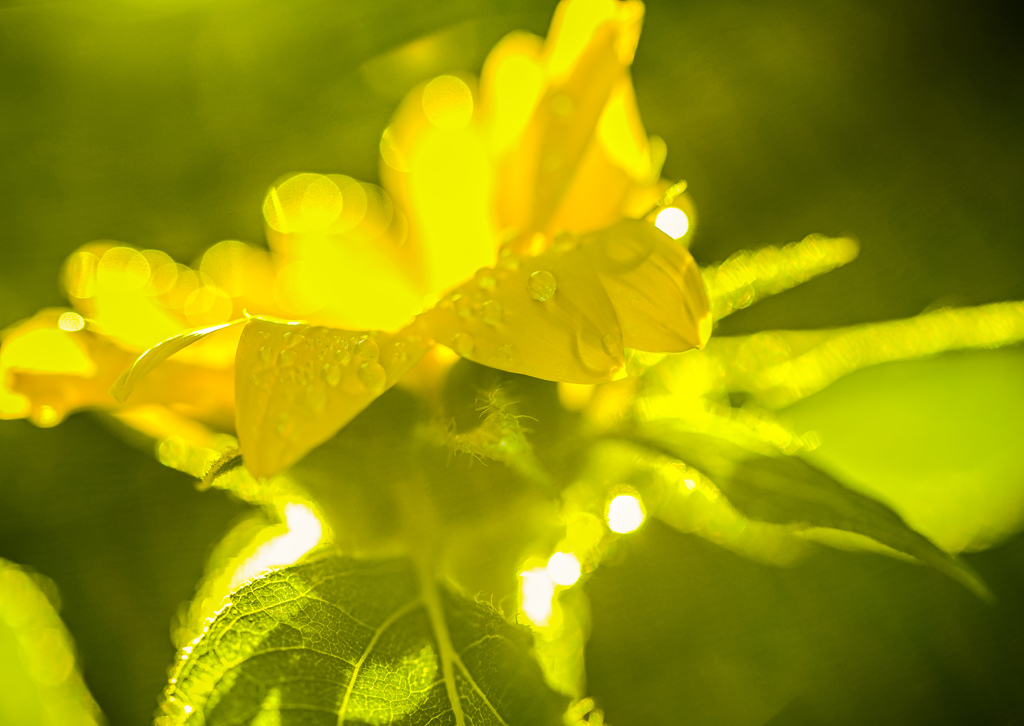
<point x="316" y="399"/>
<point x="372" y="375"/>
<point x="399" y="351"/>
<point x="285" y="426"/>
<point x="508" y="260"/>
<point x="367" y="350"/>
<point x="292" y="338"/>
<point x="485" y="279"/>
<point x="626" y="251"/>
<point x="332" y="374"/>
<point x="492" y="312"/>
<point x="542" y="285"/>
<point x="462" y="344"/>
<point x="564" y="242"/>
<point x="287" y="356"/>
<point x="612" y="344"/>
<point x="266" y="354"/>
<point x="342" y="354"/>
<point x="463" y="306"/>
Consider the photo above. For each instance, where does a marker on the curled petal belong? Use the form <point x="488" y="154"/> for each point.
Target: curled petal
<point x="48" y="372"/>
<point x="654" y="285"/>
<point x="297" y="385"/>
<point x="546" y="316"/>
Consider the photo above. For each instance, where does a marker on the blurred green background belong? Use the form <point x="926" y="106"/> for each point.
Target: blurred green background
<point x="160" y="123"/>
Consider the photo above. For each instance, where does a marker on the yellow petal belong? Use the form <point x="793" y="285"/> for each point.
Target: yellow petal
<point x="546" y="316"/>
<point x="47" y="373"/>
<point x="156" y="355"/>
<point x="438" y="166"/>
<point x="615" y="164"/>
<point x="654" y="285"/>
<point x="297" y="385"/>
<point x="587" y="53"/>
<point x="341" y="253"/>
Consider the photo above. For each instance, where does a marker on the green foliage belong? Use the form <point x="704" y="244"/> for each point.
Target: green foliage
<point x="912" y="141"/>
<point x="337" y="640"/>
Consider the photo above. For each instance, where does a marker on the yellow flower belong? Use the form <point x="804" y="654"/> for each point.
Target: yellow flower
<point x="512" y="234"/>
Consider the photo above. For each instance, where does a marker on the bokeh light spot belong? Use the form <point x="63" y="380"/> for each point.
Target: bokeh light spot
<point x="122" y="269"/>
<point x="448" y="102"/>
<point x="302" y="203"/>
<point x="70" y="322"/>
<point x="80" y="274"/>
<point x="625" y="513"/>
<point x="537" y="592"/>
<point x="673" y="222"/>
<point x="564" y="569"/>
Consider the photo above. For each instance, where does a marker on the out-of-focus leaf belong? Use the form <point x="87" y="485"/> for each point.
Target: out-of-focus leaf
<point x="39" y="684"/>
<point x="937" y="440"/>
<point x="789" y="490"/>
<point x="344" y="641"/>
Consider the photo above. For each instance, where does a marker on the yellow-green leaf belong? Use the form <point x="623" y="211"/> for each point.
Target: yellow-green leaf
<point x="344" y="641"/>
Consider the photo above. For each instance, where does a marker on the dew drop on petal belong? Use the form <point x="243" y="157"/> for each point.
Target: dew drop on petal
<point x="372" y="375"/>
<point x="612" y="344"/>
<point x="287" y="356"/>
<point x="462" y="344"/>
<point x="542" y="285"/>
<point x="266" y="354"/>
<point x="492" y="312"/>
<point x="485" y="279"/>
<point x="367" y="350"/>
<point x="508" y="260"/>
<point x="332" y="374"/>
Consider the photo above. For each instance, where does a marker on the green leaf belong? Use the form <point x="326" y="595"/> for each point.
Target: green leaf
<point x="39" y="683"/>
<point x="344" y="641"/>
<point x="789" y="490"/>
<point x="156" y="355"/>
<point x="937" y="440"/>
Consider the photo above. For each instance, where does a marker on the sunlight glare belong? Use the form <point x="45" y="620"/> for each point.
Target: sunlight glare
<point x="564" y="569"/>
<point x="304" y="533"/>
<point x="538" y="592"/>
<point x="625" y="513"/>
<point x="673" y="222"/>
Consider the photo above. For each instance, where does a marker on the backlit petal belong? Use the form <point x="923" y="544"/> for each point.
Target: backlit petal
<point x="654" y="285"/>
<point x="438" y="167"/>
<point x="297" y="385"/>
<point x="340" y="253"/>
<point x="48" y="373"/>
<point x="586" y="57"/>
<point x="546" y="316"/>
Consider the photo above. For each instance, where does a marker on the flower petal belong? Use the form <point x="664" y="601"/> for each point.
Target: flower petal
<point x="587" y="53"/>
<point x="438" y="166"/>
<point x="341" y="253"/>
<point x="47" y="373"/>
<point x="546" y="316"/>
<point x="654" y="284"/>
<point x="297" y="385"/>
